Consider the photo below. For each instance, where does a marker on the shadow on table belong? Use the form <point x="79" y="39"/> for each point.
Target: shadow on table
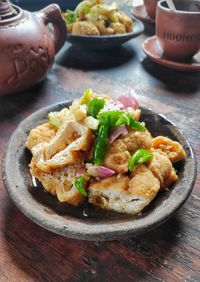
<point x="45" y="256"/>
<point x="149" y="29"/>
<point x="21" y="104"/>
<point x="87" y="59"/>
<point x="12" y="104"/>
<point x="174" y="80"/>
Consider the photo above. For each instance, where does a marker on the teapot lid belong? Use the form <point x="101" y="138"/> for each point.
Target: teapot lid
<point x="7" y="11"/>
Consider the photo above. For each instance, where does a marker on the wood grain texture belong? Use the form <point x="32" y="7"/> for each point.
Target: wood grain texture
<point x="169" y="253"/>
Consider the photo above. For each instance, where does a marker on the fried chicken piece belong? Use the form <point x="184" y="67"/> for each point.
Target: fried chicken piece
<point x="135" y="140"/>
<point x="84" y="28"/>
<point x="118" y="28"/>
<point x="105" y="30"/>
<point x="120" y="194"/>
<point x="101" y="27"/>
<point x="121" y="149"/>
<point x="42" y="133"/>
<point x="117" y="157"/>
<point x="162" y="168"/>
<point x="126" y="21"/>
<point x="172" y="149"/>
<point x="57" y="182"/>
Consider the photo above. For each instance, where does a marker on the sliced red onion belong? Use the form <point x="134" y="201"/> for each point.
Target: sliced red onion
<point x="116" y="132"/>
<point x="100" y="171"/>
<point x="113" y="106"/>
<point x="128" y="101"/>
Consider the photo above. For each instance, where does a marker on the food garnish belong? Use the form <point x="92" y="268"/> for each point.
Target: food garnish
<point x="70" y="17"/>
<point x="79" y="184"/>
<point x="94" y="106"/>
<point x="139" y="157"/>
<point x="99" y="171"/>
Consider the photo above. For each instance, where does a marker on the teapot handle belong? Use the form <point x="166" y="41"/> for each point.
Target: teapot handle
<point x="52" y="14"/>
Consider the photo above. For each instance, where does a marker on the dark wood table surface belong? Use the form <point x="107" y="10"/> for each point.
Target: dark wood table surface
<point x="169" y="253"/>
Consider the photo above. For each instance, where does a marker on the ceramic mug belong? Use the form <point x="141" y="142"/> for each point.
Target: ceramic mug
<point x="150" y="6"/>
<point x="179" y="32"/>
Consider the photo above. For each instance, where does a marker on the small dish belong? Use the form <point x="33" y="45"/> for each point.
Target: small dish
<point x="140" y="13"/>
<point x="153" y="50"/>
<point x="69" y="221"/>
<point x="106" y="41"/>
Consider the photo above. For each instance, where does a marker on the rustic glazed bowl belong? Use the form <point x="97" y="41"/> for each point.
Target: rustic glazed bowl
<point x="86" y="223"/>
<point x="106" y="41"/>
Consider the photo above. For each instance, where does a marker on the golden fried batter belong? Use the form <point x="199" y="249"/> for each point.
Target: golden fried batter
<point x="162" y="168"/>
<point x="58" y="183"/>
<point x="117" y="157"/>
<point x="40" y="134"/>
<point x="121" y="149"/>
<point x="137" y="140"/>
<point x="121" y="194"/>
<point x="126" y="21"/>
<point x="172" y="149"/>
<point x="118" y="28"/>
<point x="84" y="28"/>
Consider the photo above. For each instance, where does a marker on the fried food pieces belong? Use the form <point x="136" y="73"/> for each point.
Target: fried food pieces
<point x="42" y="133"/>
<point x="63" y="151"/>
<point x="131" y="194"/>
<point x="58" y="183"/>
<point x="123" y="194"/>
<point x="172" y="149"/>
<point x="123" y="147"/>
<point x="85" y="28"/>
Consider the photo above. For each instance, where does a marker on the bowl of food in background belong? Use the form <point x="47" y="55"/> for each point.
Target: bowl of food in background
<point x="95" y="24"/>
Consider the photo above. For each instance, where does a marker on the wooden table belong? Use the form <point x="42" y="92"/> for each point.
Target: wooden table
<point x="169" y="253"/>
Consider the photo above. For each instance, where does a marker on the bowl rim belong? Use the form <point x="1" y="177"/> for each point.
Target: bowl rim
<point x="79" y="229"/>
<point x="177" y="12"/>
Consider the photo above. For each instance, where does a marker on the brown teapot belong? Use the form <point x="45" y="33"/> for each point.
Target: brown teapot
<point x="28" y="45"/>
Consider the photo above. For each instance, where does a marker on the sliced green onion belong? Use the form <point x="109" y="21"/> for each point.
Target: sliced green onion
<point x="119" y="117"/>
<point x="112" y="116"/>
<point x="139" y="157"/>
<point x="94" y="106"/>
<point x="54" y="119"/>
<point x="86" y="96"/>
<point x="70" y="17"/>
<point x="79" y="184"/>
<point x="83" y="8"/>
<point x="123" y="119"/>
<point x="107" y="121"/>
<point x="102" y="144"/>
<point x="136" y="124"/>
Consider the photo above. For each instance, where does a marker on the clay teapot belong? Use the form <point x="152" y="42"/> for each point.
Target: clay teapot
<point x="28" y="45"/>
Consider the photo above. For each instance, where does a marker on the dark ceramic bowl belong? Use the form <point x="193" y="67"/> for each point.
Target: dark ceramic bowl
<point x="86" y="222"/>
<point x="106" y="41"/>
